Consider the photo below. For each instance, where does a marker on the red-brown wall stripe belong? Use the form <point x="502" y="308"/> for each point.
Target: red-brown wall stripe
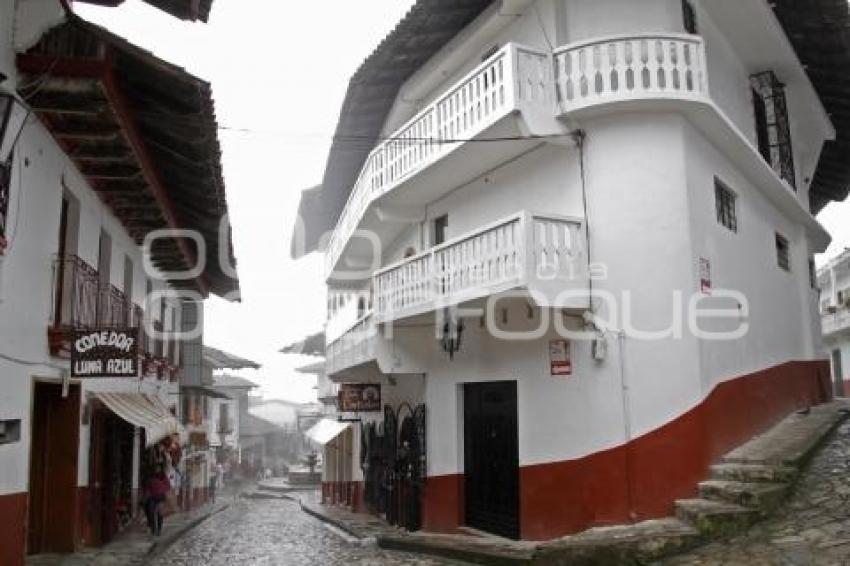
<point x="643" y="478"/>
<point x="13" y="517"/>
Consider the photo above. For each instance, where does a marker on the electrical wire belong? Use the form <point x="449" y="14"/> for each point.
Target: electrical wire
<point x="580" y="136"/>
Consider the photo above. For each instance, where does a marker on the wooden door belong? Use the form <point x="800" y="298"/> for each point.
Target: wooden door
<point x="53" y="469"/>
<point x="491" y="457"/>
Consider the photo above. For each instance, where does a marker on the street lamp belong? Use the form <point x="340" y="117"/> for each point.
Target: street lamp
<point x="13" y="115"/>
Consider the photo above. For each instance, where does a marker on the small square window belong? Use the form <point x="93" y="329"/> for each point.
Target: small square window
<point x="725" y="202"/>
<point x="783" y="252"/>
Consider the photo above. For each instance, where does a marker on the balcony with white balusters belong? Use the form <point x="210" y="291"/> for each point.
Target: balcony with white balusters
<point x="493" y="114"/>
<point x="539" y="257"/>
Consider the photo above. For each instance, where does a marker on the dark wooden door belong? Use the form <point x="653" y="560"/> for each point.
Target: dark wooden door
<point x="491" y="457"/>
<point x="53" y="470"/>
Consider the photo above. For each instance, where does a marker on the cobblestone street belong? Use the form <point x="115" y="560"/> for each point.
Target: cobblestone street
<point x="812" y="527"/>
<point x="276" y="532"/>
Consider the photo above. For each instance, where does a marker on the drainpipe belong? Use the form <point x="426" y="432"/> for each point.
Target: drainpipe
<point x="627" y="420"/>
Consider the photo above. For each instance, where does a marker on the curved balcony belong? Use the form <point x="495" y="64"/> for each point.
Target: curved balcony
<point x="432" y="153"/>
<point x="657" y="67"/>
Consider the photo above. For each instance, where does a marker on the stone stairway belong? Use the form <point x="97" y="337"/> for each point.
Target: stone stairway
<point x="751" y="481"/>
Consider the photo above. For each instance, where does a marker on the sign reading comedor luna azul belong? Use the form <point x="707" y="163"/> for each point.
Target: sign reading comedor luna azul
<point x="105" y="353"/>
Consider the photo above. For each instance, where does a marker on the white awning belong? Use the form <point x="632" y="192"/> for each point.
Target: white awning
<point x="144" y="411"/>
<point x="326" y="430"/>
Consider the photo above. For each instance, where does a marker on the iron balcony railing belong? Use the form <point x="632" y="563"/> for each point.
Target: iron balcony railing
<point x="82" y="300"/>
<point x="76" y="292"/>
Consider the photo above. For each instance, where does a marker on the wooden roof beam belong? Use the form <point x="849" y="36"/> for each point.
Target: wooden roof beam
<point x="124" y="115"/>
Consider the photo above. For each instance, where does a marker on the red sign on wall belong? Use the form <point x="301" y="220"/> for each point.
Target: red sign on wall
<point x="360" y="397"/>
<point x="560" y="360"/>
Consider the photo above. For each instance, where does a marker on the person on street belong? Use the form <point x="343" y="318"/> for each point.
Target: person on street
<point x="156" y="491"/>
<point x="213" y="484"/>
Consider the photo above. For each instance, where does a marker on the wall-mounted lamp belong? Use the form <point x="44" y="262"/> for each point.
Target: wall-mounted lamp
<point x="13" y="115"/>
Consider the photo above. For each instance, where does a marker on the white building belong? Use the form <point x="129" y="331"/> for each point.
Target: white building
<point x="834" y="283"/>
<point x="581" y="178"/>
<point x="225" y="416"/>
<point x="93" y="172"/>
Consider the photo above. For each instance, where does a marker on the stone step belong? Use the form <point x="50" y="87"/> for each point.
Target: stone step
<point x="758" y="495"/>
<point x="753" y="473"/>
<point x="715" y="518"/>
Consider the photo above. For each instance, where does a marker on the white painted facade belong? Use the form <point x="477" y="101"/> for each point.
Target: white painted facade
<point x="41" y="174"/>
<point x="650" y="157"/>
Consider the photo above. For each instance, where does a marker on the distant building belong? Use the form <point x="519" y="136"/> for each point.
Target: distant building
<point x="834" y="283"/>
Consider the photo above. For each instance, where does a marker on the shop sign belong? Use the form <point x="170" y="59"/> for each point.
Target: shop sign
<point x="105" y="353"/>
<point x="360" y="397"/>
<point x="560" y="361"/>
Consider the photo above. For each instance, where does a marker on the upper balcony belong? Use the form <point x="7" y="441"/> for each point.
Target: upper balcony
<point x="837" y="322"/>
<point x="507" y="97"/>
<point x="662" y="69"/>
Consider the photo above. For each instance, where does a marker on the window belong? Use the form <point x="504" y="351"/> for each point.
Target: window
<point x="783" y="252"/>
<point x="5" y="192"/>
<point x="441" y="225"/>
<point x="813" y="274"/>
<point x="689" y="17"/>
<point x="724" y="200"/>
<point x="773" y="129"/>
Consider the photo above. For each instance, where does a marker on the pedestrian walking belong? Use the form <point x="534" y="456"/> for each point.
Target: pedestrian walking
<point x="213" y="484"/>
<point x="156" y="492"/>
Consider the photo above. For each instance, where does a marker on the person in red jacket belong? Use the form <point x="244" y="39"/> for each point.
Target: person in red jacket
<point x="156" y="490"/>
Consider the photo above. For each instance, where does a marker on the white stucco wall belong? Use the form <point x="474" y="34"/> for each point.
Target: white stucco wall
<point x="41" y="172"/>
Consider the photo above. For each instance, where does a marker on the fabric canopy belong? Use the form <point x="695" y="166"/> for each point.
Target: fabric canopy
<point x="144" y="411"/>
<point x="326" y="430"/>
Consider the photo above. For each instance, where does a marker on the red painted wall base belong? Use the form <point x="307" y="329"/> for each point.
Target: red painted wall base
<point x="642" y="479"/>
<point x="13" y="517"/>
<point x="348" y="494"/>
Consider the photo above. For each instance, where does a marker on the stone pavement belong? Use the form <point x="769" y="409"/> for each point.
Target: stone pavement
<point x="136" y="545"/>
<point x="811" y="528"/>
<point x="275" y="532"/>
<point x="814" y="527"/>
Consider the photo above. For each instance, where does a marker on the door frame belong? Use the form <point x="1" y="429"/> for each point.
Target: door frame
<point x="512" y="528"/>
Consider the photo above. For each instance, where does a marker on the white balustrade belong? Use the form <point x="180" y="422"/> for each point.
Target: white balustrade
<point x="624" y="68"/>
<point x="505" y="254"/>
<point x="513" y="76"/>
<point x="352" y="347"/>
<point x="836" y="322"/>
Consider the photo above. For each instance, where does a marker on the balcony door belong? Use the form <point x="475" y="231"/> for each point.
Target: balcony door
<point x="69" y="222"/>
<point x="491" y="457"/>
<point x="104" y="267"/>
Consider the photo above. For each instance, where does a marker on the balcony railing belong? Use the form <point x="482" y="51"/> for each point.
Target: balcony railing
<point x="836" y="322"/>
<point x="352" y="348"/>
<point x="76" y="291"/>
<point x="513" y="78"/>
<point x="113" y="307"/>
<point x="522" y="250"/>
<point x="626" y="68"/>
